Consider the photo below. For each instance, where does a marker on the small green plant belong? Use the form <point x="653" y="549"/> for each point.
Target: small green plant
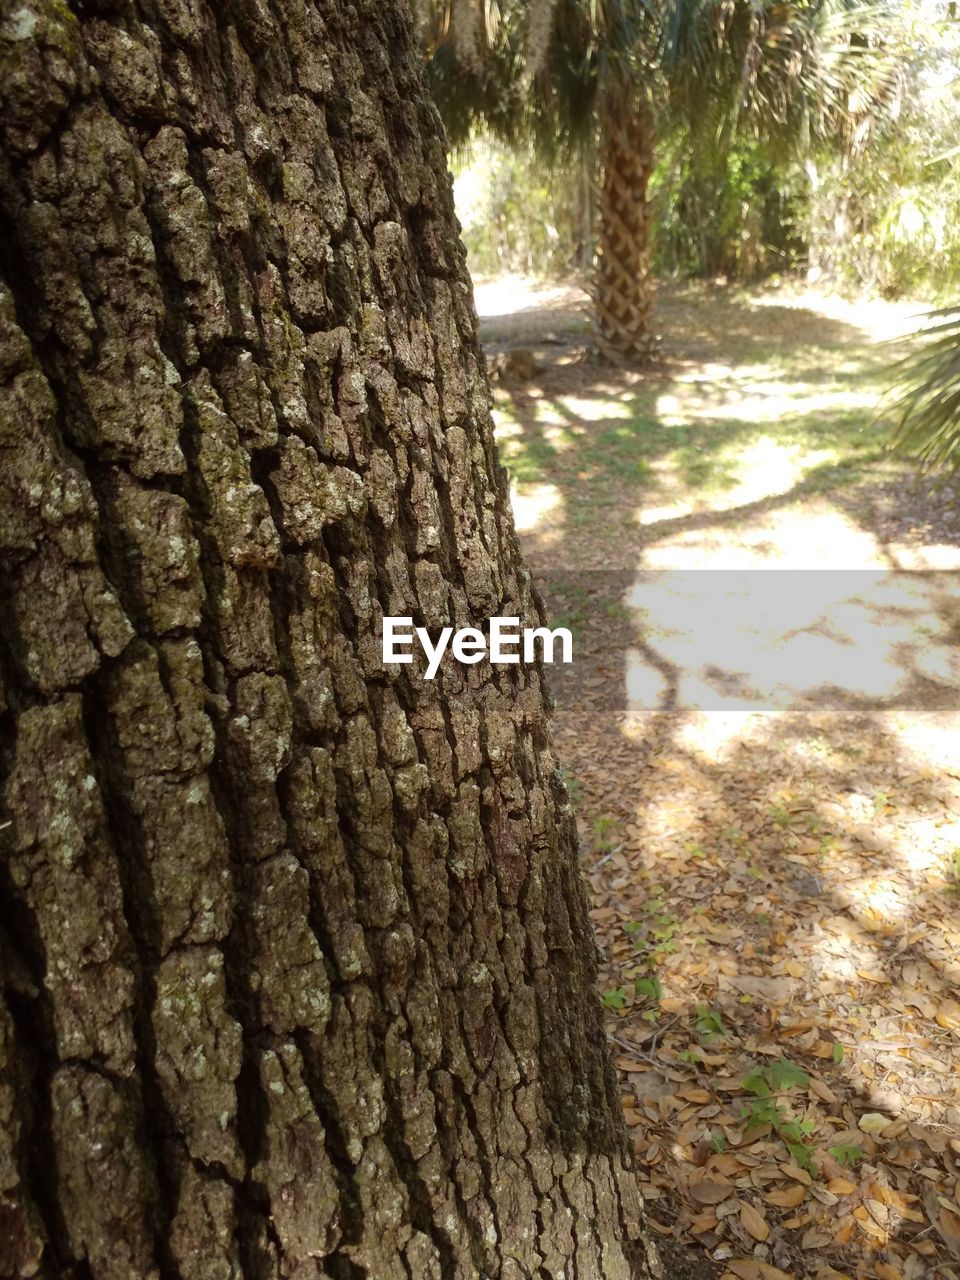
<point x="778" y="1077"/>
<point x="796" y="1134"/>
<point x="708" y="1024"/>
<point x="718" y="1143"/>
<point x="838" y="1052"/>
<point x="619" y="612"/>
<point x="614" y="998"/>
<point x="847" y="1154"/>
<point x="574" y="791"/>
<point x="604" y="829"/>
<point x="653" y="937"/>
<point x="570" y="606"/>
<point x="953" y="865"/>
<point x="767" y="1084"/>
<point x="648" y="987"/>
<point x="760" y="1113"/>
<point x="664" y="929"/>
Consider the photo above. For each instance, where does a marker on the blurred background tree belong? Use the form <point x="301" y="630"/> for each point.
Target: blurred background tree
<point x="891" y="224"/>
<point x="517" y="215"/>
<point x="699" y="126"/>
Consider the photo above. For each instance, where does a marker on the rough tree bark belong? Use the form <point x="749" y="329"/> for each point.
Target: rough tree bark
<point x="298" y="979"/>
<point x="623" y="291"/>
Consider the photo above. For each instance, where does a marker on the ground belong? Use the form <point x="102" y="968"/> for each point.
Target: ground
<point x="762" y="736"/>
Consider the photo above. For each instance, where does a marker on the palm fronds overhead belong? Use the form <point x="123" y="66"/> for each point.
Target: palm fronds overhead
<point x="790" y="72"/>
<point x="533" y="66"/>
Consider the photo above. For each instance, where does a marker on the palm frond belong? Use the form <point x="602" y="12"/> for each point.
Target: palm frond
<point x="927" y="406"/>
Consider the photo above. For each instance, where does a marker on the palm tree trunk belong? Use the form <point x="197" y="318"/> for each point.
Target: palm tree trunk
<point x="624" y="288"/>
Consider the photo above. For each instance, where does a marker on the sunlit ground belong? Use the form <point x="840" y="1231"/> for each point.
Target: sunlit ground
<point x="762" y="733"/>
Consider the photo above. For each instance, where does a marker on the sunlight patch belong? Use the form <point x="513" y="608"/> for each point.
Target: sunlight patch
<point x="772" y="468"/>
<point x="534" y="505"/>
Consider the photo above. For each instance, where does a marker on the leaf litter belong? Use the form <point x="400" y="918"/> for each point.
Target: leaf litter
<point x="789" y="1062"/>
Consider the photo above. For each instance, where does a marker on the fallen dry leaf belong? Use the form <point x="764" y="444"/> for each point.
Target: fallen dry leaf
<point x="751" y="1269"/>
<point x="950" y="1225"/>
<point x="788" y="1198"/>
<point x="823" y="1091"/>
<point x="695" y="1095"/>
<point x="709" y="1190"/>
<point x="887" y="1271"/>
<point x="769" y="990"/>
<point x="703" y="1222"/>
<point x="874" y="1122"/>
<point x="815" y="1238"/>
<point x="844" y="1231"/>
<point x="753" y="1222"/>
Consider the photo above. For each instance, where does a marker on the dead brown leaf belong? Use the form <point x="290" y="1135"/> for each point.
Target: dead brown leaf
<point x="788" y="1198"/>
<point x="752" y="1269"/>
<point x="709" y="1190"/>
<point x="753" y="1222"/>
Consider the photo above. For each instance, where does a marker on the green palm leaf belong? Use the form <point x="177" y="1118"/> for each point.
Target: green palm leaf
<point x="928" y="395"/>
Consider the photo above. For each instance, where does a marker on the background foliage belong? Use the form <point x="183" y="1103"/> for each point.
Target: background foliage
<point x="518" y="215"/>
<point x="886" y="219"/>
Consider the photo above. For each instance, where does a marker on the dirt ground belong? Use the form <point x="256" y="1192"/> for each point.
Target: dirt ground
<point x="761" y="730"/>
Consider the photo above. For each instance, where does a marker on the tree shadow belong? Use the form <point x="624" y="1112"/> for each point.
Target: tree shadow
<point x="610" y="448"/>
<point x="907" y="512"/>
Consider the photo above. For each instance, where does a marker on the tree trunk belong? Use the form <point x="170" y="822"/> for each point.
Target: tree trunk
<point x="624" y="288"/>
<point x="298" y="979"/>
<point x="830" y="248"/>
